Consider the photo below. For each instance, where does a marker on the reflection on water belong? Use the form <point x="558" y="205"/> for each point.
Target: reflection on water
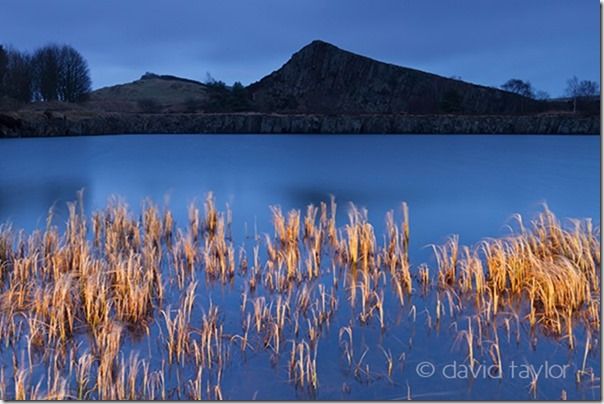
<point x="31" y="200"/>
<point x="466" y="185"/>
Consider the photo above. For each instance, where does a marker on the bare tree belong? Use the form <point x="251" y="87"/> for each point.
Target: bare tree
<point x="60" y="73"/>
<point x="46" y="66"/>
<point x="519" y="87"/>
<point x="18" y="76"/>
<point x="577" y="89"/>
<point x="74" y="77"/>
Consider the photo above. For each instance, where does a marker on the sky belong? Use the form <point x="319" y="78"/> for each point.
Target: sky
<point x="482" y="41"/>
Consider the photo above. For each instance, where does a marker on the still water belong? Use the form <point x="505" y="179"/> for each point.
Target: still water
<point x="465" y="185"/>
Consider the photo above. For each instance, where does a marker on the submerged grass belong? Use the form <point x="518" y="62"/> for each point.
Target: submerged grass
<point x="76" y="297"/>
<point x="554" y="270"/>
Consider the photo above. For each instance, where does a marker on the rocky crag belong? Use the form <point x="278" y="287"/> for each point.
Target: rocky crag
<point x="321" y="78"/>
<point x="68" y="124"/>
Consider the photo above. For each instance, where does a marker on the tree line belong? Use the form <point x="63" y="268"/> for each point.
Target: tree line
<point x="224" y="98"/>
<point x="51" y="73"/>
<point x="575" y="89"/>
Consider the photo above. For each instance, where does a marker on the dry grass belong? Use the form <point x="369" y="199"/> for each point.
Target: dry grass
<point x="303" y="365"/>
<point x="78" y="297"/>
<point x="552" y="269"/>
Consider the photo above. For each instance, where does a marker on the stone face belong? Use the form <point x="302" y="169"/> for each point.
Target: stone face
<point x="321" y="78"/>
<point x="71" y="123"/>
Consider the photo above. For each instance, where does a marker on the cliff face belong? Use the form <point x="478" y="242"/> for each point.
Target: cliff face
<point x="321" y="78"/>
<point x="59" y="124"/>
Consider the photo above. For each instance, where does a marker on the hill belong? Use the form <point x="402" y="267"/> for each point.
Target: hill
<point x="322" y="78"/>
<point x="318" y="79"/>
<point x="151" y="93"/>
<point x="320" y="89"/>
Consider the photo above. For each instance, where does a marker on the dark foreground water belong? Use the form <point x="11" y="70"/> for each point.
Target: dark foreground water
<point x="466" y="185"/>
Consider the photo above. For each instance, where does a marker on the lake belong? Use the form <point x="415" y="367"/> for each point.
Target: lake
<point x="465" y="185"/>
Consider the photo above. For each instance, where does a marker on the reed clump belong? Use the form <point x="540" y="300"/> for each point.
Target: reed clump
<point x="120" y="306"/>
<point x="395" y="254"/>
<point x="551" y="268"/>
<point x="303" y="365"/>
<point x="287" y="235"/>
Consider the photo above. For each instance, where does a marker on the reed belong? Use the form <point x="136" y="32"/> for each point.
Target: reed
<point x="261" y="312"/>
<point x="208" y="350"/>
<point x="347" y="344"/>
<point x="83" y="375"/>
<point x="379" y="306"/>
<point x="534" y="382"/>
<point x="194" y="222"/>
<point x="70" y="299"/>
<point x="184" y="258"/>
<point x="211" y="216"/>
<point x="423" y="274"/>
<point x="396" y="252"/>
<point x="303" y="365"/>
<point x="246" y="330"/>
<point x="362" y="374"/>
<point x="3" y="395"/>
<point x="108" y="342"/>
<point x="361" y="240"/>
<point x="287" y="233"/>
<point x="132" y="287"/>
<point x="95" y="293"/>
<point x="311" y="232"/>
<point x="495" y="352"/>
<point x="167" y="228"/>
<point x="152" y="226"/>
<point x="57" y="390"/>
<point x="6" y="248"/>
<point x="389" y="361"/>
<point x="196" y="386"/>
<point x="446" y="257"/>
<point x="21" y="381"/>
<point x="178" y="335"/>
<point x="553" y="268"/>
<point x="122" y="233"/>
<point x="62" y="310"/>
<point x="468" y="337"/>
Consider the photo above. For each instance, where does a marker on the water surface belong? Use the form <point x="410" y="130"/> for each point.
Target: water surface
<point x="469" y="185"/>
<point x="466" y="185"/>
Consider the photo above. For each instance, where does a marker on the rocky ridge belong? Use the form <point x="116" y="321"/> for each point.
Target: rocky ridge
<point x="322" y="78"/>
<point x="57" y="124"/>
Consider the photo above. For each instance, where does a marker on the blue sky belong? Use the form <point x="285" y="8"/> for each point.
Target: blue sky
<point x="482" y="41"/>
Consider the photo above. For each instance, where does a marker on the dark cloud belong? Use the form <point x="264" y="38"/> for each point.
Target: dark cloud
<point x="483" y="41"/>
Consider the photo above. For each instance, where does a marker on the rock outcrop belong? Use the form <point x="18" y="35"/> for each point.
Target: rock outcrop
<point x="81" y="123"/>
<point x="321" y="78"/>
